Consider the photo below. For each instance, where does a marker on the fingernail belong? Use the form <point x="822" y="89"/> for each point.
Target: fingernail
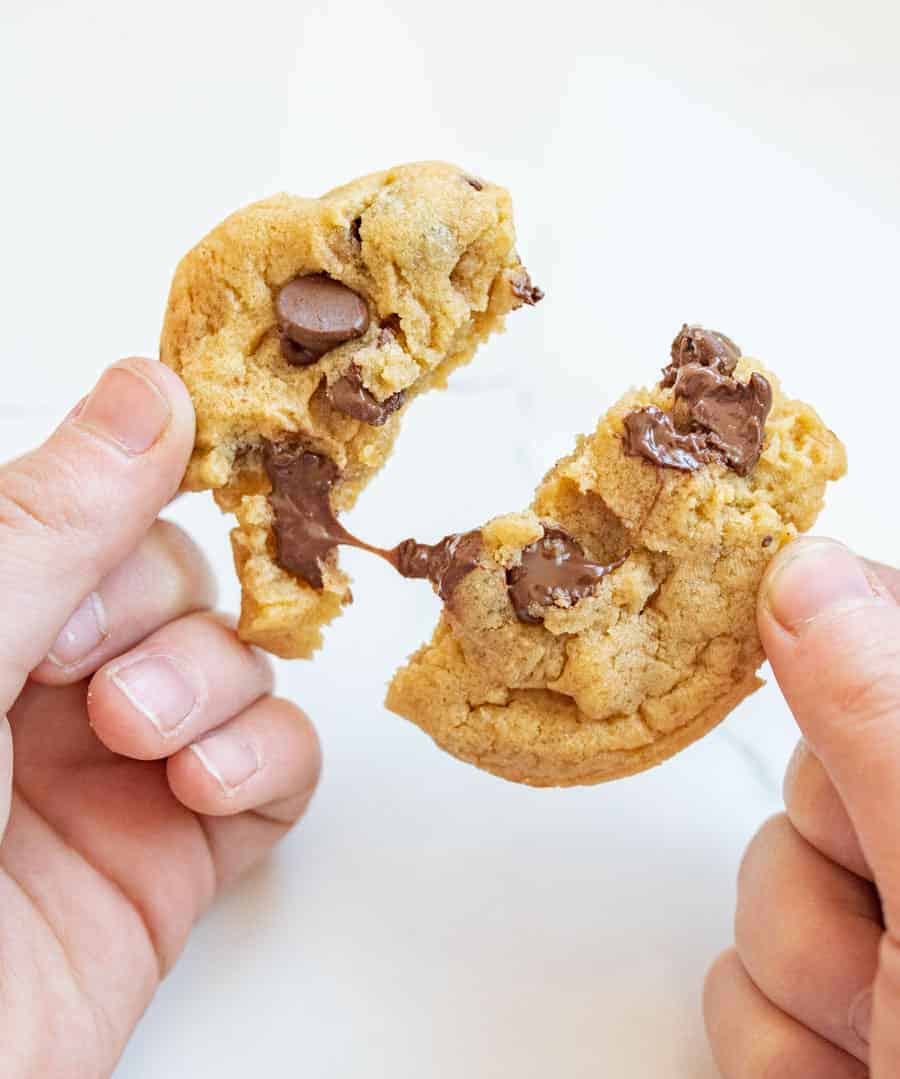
<point x="127" y="409"/>
<point x="86" y="629"/>
<point x="861" y="1015"/>
<point x="158" y="689"/>
<point x="229" y="759"/>
<point x="815" y="578"/>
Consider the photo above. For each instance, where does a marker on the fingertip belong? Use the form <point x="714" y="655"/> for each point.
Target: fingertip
<point x="813" y="578"/>
<point x="178" y="438"/>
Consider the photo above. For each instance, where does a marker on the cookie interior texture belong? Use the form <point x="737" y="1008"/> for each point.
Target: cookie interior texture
<point x="667" y="644"/>
<point x="432" y="253"/>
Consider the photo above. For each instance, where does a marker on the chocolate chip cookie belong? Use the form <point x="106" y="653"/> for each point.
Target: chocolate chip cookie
<point x="613" y="623"/>
<point x="305" y="327"/>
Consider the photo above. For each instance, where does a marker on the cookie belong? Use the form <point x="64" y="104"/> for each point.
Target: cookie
<point x="308" y="326"/>
<point x="613" y="623"/>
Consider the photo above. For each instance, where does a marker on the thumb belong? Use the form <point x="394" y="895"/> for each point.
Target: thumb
<point x="831" y="630"/>
<point x="71" y="510"/>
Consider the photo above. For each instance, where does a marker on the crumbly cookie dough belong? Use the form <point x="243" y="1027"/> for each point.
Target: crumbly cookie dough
<point x="674" y="506"/>
<point x="313" y="323"/>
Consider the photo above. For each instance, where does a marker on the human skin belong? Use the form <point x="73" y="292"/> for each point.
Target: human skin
<point x="812" y="985"/>
<point x="144" y="763"/>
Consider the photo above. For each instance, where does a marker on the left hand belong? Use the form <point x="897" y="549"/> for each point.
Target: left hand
<point x="144" y="764"/>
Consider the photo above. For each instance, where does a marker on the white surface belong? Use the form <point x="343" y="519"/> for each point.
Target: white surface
<point x="727" y="163"/>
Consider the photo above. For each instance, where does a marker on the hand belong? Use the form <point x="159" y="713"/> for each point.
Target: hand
<point x="813" y="985"/>
<point x="128" y="800"/>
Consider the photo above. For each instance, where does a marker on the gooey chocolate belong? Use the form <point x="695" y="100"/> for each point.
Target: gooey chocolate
<point x="553" y="573"/>
<point x="722" y="419"/>
<point x="350" y="396"/>
<point x="316" y="314"/>
<point x="307" y="530"/>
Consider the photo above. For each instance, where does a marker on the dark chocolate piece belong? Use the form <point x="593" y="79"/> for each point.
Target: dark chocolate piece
<point x="716" y="418"/>
<point x="651" y="434"/>
<point x="767" y="541"/>
<point x="553" y="573"/>
<point x="350" y="396"/>
<point x="708" y="348"/>
<point x="732" y="414"/>
<point x="307" y="530"/>
<point x="473" y="181"/>
<point x="524" y="290"/>
<point x="355" y="227"/>
<point x="316" y="314"/>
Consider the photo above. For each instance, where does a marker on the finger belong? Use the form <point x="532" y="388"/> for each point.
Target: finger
<point x="72" y="510"/>
<point x="178" y="684"/>
<point x="832" y="633"/>
<point x="751" y="1038"/>
<point x="818" y="814"/>
<point x="250" y="780"/>
<point x="166" y="577"/>
<point x="6" y="773"/>
<point x="791" y="900"/>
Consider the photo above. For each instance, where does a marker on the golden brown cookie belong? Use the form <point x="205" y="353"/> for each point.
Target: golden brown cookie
<point x="614" y="623"/>
<point x="312" y="323"/>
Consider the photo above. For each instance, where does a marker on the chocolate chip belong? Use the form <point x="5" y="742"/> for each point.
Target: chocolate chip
<point x="350" y="396"/>
<point x="650" y="433"/>
<point x="524" y="290"/>
<point x="355" y="226"/>
<point x="318" y="313"/>
<point x="767" y="541"/>
<point x="553" y="573"/>
<point x="724" y="418"/>
<point x="708" y="348"/>
<point x="473" y="181"/>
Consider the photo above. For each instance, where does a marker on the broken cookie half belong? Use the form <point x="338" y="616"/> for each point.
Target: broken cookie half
<point x="303" y="328"/>
<point x="614" y="622"/>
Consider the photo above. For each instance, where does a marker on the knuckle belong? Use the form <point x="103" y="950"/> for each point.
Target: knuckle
<point x="40" y="493"/>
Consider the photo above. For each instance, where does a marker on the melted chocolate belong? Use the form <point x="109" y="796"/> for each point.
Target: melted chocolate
<point x="444" y="563"/>
<point x="350" y="396"/>
<point x="724" y="419"/>
<point x="553" y="573"/>
<point x="651" y="433"/>
<point x="307" y="530"/>
<point x="708" y="348"/>
<point x="732" y="414"/>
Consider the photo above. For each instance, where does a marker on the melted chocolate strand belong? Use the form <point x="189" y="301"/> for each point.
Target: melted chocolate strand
<point x="307" y="530"/>
<point x="553" y="573"/>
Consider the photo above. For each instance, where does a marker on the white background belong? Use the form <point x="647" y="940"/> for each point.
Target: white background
<point x="735" y="164"/>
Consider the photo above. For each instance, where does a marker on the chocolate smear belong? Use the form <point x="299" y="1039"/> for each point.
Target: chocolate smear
<point x="708" y="348"/>
<point x="307" y="529"/>
<point x="732" y="414"/>
<point x="316" y="314"/>
<point x="716" y="417"/>
<point x="553" y="573"/>
<point x="650" y="433"/>
<point x="350" y="396"/>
